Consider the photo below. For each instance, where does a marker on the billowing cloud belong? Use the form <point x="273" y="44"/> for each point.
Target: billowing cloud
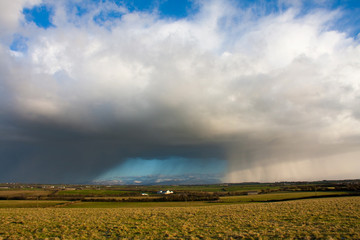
<point x="275" y="95"/>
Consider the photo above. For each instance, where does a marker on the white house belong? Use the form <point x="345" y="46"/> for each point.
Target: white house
<point x="165" y="192"/>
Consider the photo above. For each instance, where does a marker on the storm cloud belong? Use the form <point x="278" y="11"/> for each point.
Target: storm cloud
<point x="275" y="95"/>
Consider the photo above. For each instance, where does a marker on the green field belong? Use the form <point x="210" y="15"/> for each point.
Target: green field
<point x="118" y="212"/>
<point x="29" y="203"/>
<point x="119" y="204"/>
<point x="93" y="192"/>
<point x="136" y="204"/>
<point x="278" y="197"/>
<point x="24" y="193"/>
<point x="327" y="218"/>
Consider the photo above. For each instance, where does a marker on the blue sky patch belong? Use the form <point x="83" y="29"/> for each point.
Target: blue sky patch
<point x="19" y="43"/>
<point x="40" y="15"/>
<point x="178" y="8"/>
<point x="80" y="10"/>
<point x="348" y="22"/>
<point x="166" y="8"/>
<point x="105" y="16"/>
<point x="138" y="5"/>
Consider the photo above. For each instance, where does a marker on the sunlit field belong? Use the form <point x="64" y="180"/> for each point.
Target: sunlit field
<point x="328" y="218"/>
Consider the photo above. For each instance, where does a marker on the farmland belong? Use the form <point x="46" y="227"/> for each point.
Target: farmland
<point x="80" y="192"/>
<point x="315" y="210"/>
<point x="273" y="197"/>
<point x="30" y="204"/>
<point x="145" y="202"/>
<point x="307" y="219"/>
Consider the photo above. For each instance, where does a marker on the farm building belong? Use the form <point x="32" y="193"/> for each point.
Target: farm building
<point x="165" y="192"/>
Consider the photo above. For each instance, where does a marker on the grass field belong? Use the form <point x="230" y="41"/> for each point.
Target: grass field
<point x="23" y="193"/>
<point x="223" y="200"/>
<point x="277" y="196"/>
<point x="136" y="204"/>
<point x="92" y="192"/>
<point x="79" y="204"/>
<point x="29" y="203"/>
<point x="328" y="218"/>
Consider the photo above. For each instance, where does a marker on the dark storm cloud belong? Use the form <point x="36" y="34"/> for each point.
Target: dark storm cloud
<point x="45" y="151"/>
<point x="274" y="96"/>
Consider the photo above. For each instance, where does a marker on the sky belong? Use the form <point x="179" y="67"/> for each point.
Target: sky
<point x="218" y="90"/>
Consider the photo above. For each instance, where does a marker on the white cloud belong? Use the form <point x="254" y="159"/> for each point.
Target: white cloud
<point x="280" y="84"/>
<point x="11" y="14"/>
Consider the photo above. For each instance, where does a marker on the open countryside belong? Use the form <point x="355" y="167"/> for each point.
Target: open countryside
<point x="179" y="119"/>
<point x="305" y="210"/>
<point x="305" y="219"/>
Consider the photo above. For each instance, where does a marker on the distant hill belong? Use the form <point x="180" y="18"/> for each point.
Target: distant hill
<point x="162" y="180"/>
